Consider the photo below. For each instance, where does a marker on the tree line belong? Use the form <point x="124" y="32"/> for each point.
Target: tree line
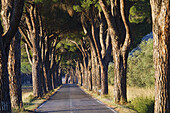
<point x="106" y="36"/>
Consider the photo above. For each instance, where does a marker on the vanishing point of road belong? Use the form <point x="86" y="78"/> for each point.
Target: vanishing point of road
<point x="71" y="99"/>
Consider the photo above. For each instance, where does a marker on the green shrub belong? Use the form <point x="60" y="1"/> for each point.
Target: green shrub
<point x="111" y="74"/>
<point x="21" y="110"/>
<point x="31" y="98"/>
<point x="142" y="105"/>
<point x="26" y="67"/>
<point x="140" y="71"/>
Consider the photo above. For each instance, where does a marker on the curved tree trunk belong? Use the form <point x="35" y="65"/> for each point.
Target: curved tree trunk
<point x="120" y="45"/>
<point x="161" y="54"/>
<point x="9" y="10"/>
<point x="10" y="24"/>
<point x="104" y="80"/>
<point x="13" y="59"/>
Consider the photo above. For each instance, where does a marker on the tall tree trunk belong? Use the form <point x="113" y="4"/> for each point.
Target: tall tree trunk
<point x="54" y="78"/>
<point x="52" y="68"/>
<point x="93" y="61"/>
<point x="85" y="70"/>
<point x="42" y="53"/>
<point x="82" y="73"/>
<point x="37" y="88"/>
<point x="98" y="76"/>
<point x="47" y="67"/>
<point x="120" y="64"/>
<point x="14" y="58"/>
<point x="120" y="46"/>
<point x="59" y="75"/>
<point x="42" y="66"/>
<point x="66" y="78"/>
<point x="71" y="75"/>
<point x="8" y="15"/>
<point x="89" y="74"/>
<point x="14" y="69"/>
<point x="32" y="37"/>
<point x="104" y="81"/>
<point x="16" y="7"/>
<point x="42" y="77"/>
<point x="35" y="39"/>
<point x="57" y="70"/>
<point x="161" y="54"/>
<point x="5" y="104"/>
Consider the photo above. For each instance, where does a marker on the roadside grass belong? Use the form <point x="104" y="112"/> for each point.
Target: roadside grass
<point x="30" y="102"/>
<point x="133" y="92"/>
<point x="140" y="100"/>
<point x="142" y="104"/>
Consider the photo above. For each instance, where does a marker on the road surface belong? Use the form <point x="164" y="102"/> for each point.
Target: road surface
<point x="71" y="99"/>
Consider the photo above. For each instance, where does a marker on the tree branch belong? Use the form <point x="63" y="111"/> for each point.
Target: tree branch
<point x="74" y="42"/>
<point x="14" y="23"/>
<point x="127" y="41"/>
<point x="28" y="54"/>
<point x="25" y="37"/>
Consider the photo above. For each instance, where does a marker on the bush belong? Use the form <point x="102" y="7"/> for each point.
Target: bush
<point x="142" y="104"/>
<point x="140" y="70"/>
<point x="31" y="98"/>
<point x="26" y="67"/>
<point x="111" y="74"/>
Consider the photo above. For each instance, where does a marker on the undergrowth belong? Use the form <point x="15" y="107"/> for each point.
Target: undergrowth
<point x="142" y="104"/>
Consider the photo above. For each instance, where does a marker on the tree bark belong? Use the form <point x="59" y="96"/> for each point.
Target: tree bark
<point x="94" y="76"/>
<point x="120" y="46"/>
<point x="33" y="35"/>
<point x="66" y="78"/>
<point x="104" y="81"/>
<point x="41" y="66"/>
<point x="119" y="77"/>
<point x="13" y="59"/>
<point x="47" y="65"/>
<point x="11" y="12"/>
<point x="37" y="89"/>
<point x="80" y="74"/>
<point x="5" y="104"/>
<point x="89" y="73"/>
<point x="161" y="54"/>
<point x="59" y="75"/>
<point x="14" y="69"/>
<point x="53" y="65"/>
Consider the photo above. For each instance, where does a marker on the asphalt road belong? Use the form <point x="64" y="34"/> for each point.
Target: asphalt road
<point x="71" y="99"/>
